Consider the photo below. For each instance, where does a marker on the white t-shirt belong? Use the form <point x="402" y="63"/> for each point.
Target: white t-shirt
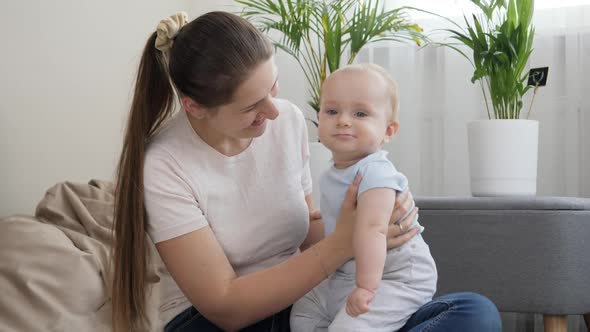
<point x="254" y="201"/>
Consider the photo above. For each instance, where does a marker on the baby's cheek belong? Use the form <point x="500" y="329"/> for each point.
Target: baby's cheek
<point x="321" y="133"/>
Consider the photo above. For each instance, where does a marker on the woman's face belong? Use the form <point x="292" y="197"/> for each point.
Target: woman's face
<point x="246" y="115"/>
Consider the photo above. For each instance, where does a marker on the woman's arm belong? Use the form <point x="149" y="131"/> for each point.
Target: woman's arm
<point x="202" y="271"/>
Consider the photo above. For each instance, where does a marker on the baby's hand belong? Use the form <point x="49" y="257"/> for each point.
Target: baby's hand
<point x="358" y="301"/>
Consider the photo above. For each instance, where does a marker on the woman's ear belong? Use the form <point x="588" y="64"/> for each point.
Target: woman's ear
<point x="391" y="130"/>
<point x="195" y="109"/>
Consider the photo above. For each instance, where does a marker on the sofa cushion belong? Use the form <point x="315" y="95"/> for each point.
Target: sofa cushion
<point x="527" y="254"/>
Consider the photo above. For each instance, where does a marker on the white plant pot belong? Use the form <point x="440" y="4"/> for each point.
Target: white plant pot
<point x="320" y="160"/>
<point x="503" y="157"/>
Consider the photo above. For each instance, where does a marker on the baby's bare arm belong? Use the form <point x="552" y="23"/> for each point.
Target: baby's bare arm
<point x="369" y="240"/>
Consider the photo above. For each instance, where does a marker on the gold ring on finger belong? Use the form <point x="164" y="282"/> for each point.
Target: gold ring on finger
<point x="401" y="228"/>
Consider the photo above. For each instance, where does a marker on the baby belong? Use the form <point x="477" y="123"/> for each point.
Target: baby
<point x="379" y="290"/>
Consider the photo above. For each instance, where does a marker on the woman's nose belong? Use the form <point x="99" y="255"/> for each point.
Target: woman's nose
<point x="268" y="109"/>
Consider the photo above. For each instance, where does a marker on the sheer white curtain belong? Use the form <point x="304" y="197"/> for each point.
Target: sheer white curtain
<point x="438" y="99"/>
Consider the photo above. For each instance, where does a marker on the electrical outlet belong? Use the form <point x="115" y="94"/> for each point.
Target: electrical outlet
<point x="538" y="76"/>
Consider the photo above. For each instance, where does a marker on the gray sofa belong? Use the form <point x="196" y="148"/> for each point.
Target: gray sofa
<point x="527" y="254"/>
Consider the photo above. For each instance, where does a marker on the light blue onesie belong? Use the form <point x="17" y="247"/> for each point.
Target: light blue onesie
<point x="409" y="277"/>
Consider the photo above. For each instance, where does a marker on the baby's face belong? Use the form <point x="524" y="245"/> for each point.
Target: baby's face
<point x="355" y="114"/>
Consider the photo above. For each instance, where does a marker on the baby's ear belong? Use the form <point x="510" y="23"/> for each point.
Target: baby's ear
<point x="391" y="130"/>
<point x="195" y="109"/>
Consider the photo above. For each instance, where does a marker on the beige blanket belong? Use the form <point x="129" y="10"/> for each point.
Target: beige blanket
<point x="54" y="265"/>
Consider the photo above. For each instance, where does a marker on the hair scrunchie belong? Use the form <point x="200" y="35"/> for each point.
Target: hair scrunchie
<point x="168" y="29"/>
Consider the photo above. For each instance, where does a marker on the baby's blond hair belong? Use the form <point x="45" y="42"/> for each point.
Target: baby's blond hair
<point x="391" y="84"/>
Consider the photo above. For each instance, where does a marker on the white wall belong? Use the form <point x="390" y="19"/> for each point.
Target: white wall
<point x="66" y="76"/>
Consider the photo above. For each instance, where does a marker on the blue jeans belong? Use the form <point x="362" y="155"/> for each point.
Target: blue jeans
<point x="462" y="312"/>
<point x="191" y="320"/>
<point x="456" y="312"/>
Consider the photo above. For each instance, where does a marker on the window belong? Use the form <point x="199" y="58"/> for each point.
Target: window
<point x="450" y="8"/>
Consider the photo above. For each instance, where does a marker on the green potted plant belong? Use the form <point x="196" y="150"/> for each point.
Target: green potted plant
<point x="322" y="35"/>
<point x="502" y="149"/>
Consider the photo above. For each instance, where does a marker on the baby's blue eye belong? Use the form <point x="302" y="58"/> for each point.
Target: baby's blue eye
<point x="360" y="114"/>
<point x="331" y="112"/>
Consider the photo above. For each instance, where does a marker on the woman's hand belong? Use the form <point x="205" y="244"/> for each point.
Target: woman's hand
<point x="347" y="217"/>
<point x="399" y="231"/>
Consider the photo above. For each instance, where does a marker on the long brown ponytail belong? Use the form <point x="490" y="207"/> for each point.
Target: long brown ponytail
<point x="211" y="56"/>
<point x="152" y="103"/>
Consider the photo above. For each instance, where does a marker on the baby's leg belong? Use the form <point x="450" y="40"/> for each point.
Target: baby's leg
<point x="309" y="313"/>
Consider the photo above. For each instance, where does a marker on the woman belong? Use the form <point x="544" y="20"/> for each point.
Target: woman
<point x="224" y="191"/>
